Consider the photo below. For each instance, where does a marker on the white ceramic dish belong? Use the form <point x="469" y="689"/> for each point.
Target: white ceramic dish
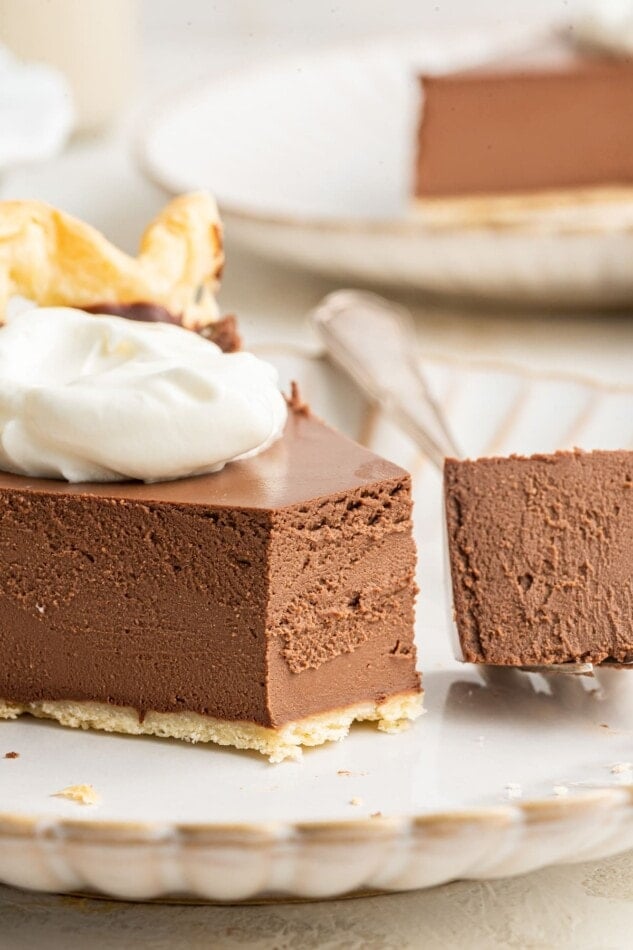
<point x="311" y="159"/>
<point x="506" y="772"/>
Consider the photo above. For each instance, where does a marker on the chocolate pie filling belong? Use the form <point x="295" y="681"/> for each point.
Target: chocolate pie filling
<point x="541" y="554"/>
<point x="526" y="128"/>
<point x="279" y="587"/>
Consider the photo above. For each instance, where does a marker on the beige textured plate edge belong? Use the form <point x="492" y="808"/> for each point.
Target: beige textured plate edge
<point x="320" y="859"/>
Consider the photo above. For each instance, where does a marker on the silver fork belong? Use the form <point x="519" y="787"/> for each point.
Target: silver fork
<point x="374" y="341"/>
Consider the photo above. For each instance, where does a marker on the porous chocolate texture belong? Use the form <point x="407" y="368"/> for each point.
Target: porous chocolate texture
<point x="277" y="588"/>
<point x="541" y="557"/>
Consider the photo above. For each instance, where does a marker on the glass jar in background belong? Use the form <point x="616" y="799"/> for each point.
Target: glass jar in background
<point x="93" y="42"/>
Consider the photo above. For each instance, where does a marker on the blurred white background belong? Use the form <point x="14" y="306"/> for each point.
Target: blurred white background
<point x="325" y="21"/>
<point x="229" y="31"/>
<point x="177" y="44"/>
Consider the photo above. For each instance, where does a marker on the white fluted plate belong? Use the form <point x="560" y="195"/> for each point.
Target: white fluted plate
<point x="311" y="158"/>
<point x="506" y="772"/>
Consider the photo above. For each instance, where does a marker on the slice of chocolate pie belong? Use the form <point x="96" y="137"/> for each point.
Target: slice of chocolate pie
<point x="265" y="606"/>
<point x="540" y="556"/>
<point x="548" y="125"/>
<point x="253" y="585"/>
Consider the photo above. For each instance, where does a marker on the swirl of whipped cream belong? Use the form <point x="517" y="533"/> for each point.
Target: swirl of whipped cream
<point x="102" y="398"/>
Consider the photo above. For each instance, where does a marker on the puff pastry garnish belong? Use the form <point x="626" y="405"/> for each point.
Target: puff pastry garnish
<point x="57" y="260"/>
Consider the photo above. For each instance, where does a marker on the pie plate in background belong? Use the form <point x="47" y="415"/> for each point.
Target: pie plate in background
<point x="507" y="771"/>
<point x="311" y="158"/>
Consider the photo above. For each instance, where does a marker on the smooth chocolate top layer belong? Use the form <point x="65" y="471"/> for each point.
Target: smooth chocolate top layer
<point x="540" y="554"/>
<point x="277" y="588"/>
<point x="311" y="461"/>
<point x="503" y="130"/>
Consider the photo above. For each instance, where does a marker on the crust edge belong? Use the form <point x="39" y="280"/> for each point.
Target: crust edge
<point x="285" y="742"/>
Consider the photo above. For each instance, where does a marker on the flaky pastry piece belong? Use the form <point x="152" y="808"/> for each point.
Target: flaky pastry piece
<point x="57" y="260"/>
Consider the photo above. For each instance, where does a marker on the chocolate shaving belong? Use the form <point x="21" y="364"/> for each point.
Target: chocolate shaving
<point x="141" y="311"/>
<point x="294" y="401"/>
<point x="223" y="333"/>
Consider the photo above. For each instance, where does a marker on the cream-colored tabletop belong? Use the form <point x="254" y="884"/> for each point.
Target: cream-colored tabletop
<point x="585" y="906"/>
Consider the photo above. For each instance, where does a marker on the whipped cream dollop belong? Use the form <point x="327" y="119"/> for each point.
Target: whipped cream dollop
<point x="606" y="26"/>
<point x="102" y="398"/>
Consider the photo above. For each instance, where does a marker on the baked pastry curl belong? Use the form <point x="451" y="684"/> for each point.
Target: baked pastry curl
<point x="57" y="260"/>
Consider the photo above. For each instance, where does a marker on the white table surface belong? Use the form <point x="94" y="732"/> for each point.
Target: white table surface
<point x="585" y="906"/>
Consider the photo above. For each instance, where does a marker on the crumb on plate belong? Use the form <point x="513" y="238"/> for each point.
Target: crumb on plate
<point x="12" y="755"/>
<point x="82" y="794"/>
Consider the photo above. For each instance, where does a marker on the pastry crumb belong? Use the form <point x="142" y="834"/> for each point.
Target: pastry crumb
<point x="620" y="767"/>
<point x="343" y="772"/>
<point x="12" y="755"/>
<point x="513" y="790"/>
<point x="355" y="800"/>
<point x="560" y="791"/>
<point x="376" y="814"/>
<point x="82" y="794"/>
